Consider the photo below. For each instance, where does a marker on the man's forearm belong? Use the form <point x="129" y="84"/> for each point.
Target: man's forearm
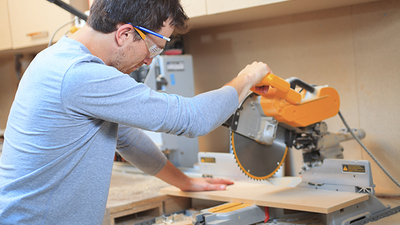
<point x="174" y="176"/>
<point x="242" y="86"/>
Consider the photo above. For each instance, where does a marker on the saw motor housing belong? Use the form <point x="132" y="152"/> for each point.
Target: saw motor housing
<point x="310" y="105"/>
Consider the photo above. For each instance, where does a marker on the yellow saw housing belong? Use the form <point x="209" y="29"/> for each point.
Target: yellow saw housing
<point x="297" y="109"/>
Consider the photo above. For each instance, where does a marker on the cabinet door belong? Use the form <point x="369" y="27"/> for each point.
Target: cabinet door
<point x="219" y="6"/>
<point x="194" y="8"/>
<point x="33" y="22"/>
<point x="5" y="37"/>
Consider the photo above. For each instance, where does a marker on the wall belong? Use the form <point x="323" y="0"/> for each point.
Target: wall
<point x="355" y="49"/>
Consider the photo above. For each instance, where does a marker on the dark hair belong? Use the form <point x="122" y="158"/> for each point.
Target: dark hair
<point x="106" y="14"/>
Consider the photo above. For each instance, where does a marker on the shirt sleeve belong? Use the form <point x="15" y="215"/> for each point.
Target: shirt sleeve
<point x="102" y="92"/>
<point x="139" y="150"/>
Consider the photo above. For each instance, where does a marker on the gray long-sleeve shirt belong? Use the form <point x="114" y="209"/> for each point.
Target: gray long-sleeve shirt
<point x="70" y="113"/>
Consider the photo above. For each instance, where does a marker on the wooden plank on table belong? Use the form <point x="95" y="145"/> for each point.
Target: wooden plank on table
<point x="303" y="199"/>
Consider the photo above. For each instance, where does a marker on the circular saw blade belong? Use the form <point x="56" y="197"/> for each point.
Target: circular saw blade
<point x="259" y="161"/>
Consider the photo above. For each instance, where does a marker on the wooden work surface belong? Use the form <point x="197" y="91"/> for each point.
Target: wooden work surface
<point x="130" y="190"/>
<point x="139" y="195"/>
<point x="301" y="199"/>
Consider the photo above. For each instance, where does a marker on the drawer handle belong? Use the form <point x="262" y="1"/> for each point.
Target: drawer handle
<point x="38" y="34"/>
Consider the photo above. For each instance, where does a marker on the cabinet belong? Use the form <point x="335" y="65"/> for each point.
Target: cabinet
<point x="33" y="22"/>
<point x="194" y="8"/>
<point x="225" y="12"/>
<point x="283" y="6"/>
<point x="5" y="37"/>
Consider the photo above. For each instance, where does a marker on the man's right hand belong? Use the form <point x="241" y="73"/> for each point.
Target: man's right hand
<point x="256" y="71"/>
<point x="249" y="77"/>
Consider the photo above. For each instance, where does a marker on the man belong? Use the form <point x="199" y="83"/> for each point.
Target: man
<point x="75" y="105"/>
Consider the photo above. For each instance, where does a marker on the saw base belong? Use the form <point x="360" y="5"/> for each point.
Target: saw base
<point x="231" y="214"/>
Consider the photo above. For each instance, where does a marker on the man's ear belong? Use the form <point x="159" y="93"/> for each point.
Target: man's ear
<point x="123" y="34"/>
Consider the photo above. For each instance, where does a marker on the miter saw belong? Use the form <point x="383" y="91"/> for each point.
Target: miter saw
<point x="290" y="115"/>
<point x="266" y="125"/>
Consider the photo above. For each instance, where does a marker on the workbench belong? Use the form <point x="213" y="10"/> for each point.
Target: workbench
<point x="136" y="197"/>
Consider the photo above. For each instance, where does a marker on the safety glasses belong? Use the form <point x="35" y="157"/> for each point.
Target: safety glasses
<point x="153" y="48"/>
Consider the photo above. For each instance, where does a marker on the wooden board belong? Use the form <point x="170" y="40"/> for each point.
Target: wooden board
<point x="309" y="200"/>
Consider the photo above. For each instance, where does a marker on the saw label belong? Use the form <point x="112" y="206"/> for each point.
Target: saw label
<point x="207" y="159"/>
<point x="353" y="168"/>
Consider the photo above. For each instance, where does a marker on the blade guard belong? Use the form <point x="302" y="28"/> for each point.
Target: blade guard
<point x="297" y="109"/>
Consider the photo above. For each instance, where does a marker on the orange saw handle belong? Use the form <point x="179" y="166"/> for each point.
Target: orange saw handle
<point x="282" y="89"/>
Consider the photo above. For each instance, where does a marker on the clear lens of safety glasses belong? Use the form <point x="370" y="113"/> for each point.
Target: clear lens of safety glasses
<point x="153" y="48"/>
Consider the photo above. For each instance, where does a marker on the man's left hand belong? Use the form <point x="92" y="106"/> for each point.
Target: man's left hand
<point x="207" y="184"/>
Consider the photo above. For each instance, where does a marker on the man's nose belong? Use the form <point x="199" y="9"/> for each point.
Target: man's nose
<point x="148" y="60"/>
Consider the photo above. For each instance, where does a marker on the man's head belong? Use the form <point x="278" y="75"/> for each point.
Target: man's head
<point x="106" y="14"/>
<point x="117" y="39"/>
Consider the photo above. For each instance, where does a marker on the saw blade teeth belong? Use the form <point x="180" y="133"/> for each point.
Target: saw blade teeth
<point x="243" y="149"/>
